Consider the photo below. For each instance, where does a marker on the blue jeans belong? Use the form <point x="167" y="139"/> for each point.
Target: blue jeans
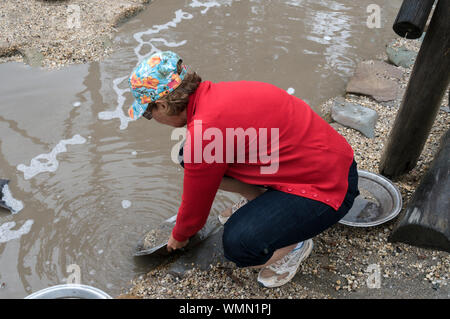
<point x="276" y="219"/>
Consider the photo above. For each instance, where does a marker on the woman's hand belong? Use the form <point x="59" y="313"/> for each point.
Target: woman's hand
<point x="174" y="244"/>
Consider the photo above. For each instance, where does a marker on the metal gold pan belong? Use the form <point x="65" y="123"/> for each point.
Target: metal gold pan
<point x="212" y="225"/>
<point x="379" y="202"/>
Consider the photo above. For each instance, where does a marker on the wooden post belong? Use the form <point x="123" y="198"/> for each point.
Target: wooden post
<point x="426" y="219"/>
<point x="421" y="102"/>
<point x="412" y="18"/>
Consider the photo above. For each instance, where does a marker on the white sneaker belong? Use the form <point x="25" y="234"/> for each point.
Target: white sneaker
<point x="234" y="208"/>
<point x="283" y="270"/>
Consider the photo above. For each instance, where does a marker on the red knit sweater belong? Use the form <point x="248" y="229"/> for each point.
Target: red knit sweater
<point x="306" y="157"/>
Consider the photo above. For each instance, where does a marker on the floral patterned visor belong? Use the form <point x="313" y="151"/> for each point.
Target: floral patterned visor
<point x="152" y="79"/>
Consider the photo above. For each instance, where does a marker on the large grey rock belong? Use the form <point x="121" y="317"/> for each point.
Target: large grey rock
<point x="355" y="116"/>
<point x="400" y="56"/>
<point x="376" y="79"/>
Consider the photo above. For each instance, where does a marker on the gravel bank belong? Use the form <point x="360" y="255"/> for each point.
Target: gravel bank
<point x="338" y="265"/>
<point x="56" y="33"/>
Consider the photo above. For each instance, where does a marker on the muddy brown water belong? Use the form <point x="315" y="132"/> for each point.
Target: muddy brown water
<point x="91" y="182"/>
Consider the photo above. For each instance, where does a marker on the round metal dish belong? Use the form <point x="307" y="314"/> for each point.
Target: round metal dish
<point x="379" y="201"/>
<point x="69" y="292"/>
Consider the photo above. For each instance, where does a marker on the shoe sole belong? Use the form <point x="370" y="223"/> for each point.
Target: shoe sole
<point x="310" y="246"/>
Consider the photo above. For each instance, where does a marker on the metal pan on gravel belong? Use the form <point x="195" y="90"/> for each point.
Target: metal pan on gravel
<point x="380" y="201"/>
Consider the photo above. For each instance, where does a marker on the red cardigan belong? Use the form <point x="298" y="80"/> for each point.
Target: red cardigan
<point x="313" y="160"/>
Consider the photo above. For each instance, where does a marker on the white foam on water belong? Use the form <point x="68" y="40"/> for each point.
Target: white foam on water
<point x="48" y="162"/>
<point x="126" y="204"/>
<point x="206" y="4"/>
<point x="118" y="112"/>
<point x="296" y="3"/>
<point x="154" y="48"/>
<point x="15" y="205"/>
<point x="180" y="15"/>
<point x="290" y="91"/>
<point x="6" y="234"/>
<point x="305" y="51"/>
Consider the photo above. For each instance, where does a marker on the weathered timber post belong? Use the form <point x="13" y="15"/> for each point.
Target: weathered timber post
<point x="412" y="18"/>
<point x="427" y="85"/>
<point x="426" y="219"/>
